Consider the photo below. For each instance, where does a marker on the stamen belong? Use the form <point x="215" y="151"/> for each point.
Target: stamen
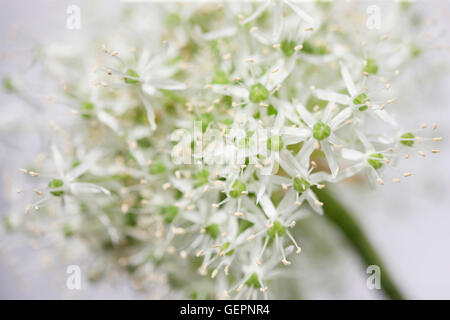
<point x="407" y="174"/>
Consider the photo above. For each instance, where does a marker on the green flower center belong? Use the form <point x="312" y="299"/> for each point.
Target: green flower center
<point x="253" y="281"/>
<point x="224" y="248"/>
<point x="407" y="139"/>
<point x="371" y="66"/>
<point x="86" y="109"/>
<point x="56" y="183"/>
<point x="277" y="229"/>
<point x="238" y="188"/>
<point x="157" y="168"/>
<point x="275" y="143"/>
<point x="169" y="213"/>
<point x="321" y="131"/>
<point x="258" y="93"/>
<point x="8" y="84"/>
<point x="361" y="99"/>
<point x="288" y="47"/>
<point x="201" y="177"/>
<point x="301" y="185"/>
<point x="131" y="73"/>
<point x="220" y="77"/>
<point x="376" y="160"/>
<point x="213" y="230"/>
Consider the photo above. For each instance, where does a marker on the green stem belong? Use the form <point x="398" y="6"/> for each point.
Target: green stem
<point x="349" y="226"/>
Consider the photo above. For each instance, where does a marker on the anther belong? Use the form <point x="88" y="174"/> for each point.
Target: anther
<point x="318" y="203"/>
<point x="200" y="253"/>
<point x="286" y="262"/>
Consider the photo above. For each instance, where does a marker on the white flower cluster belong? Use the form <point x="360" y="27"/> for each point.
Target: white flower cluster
<point x="199" y="132"/>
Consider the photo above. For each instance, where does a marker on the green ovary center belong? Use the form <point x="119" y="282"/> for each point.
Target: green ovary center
<point x="258" y="93"/>
<point x="376" y="160"/>
<point x="277" y="229"/>
<point x="301" y="185"/>
<point x="321" y="131"/>
<point x="407" y="139"/>
<point x="56" y="183"/>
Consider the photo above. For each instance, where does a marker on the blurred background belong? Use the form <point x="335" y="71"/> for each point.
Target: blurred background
<point x="408" y="223"/>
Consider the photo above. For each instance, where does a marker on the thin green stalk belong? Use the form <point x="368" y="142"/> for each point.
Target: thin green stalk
<point x="349" y="226"/>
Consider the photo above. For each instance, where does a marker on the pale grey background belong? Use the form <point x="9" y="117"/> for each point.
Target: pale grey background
<point x="409" y="223"/>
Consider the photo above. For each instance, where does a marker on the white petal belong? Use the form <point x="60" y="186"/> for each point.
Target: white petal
<point x="372" y="177"/>
<point x="312" y="198"/>
<point x="302" y="14"/>
<point x="279" y="180"/>
<point x="320" y="176"/>
<point x="257" y="13"/>
<point x="348" y="80"/>
<point x="150" y="112"/>
<point x="268" y="206"/>
<point x="288" y="167"/>
<point x="262" y="188"/>
<point x="303" y="157"/>
<point x="81" y="187"/>
<point x="332" y="163"/>
<point x="271" y="80"/>
<point x="59" y="161"/>
<point x="166" y="84"/>
<point x="305" y="114"/>
<point x="300" y="133"/>
<point x="386" y="117"/>
<point x="288" y="110"/>
<point x="326" y="115"/>
<point x="350" y="171"/>
<point x="340" y="117"/>
<point x="218" y="34"/>
<point x="277" y="21"/>
<point x="351" y="154"/>
<point x="279" y="120"/>
<point x="87" y="162"/>
<point x="109" y="120"/>
<point x="235" y="91"/>
<point x="366" y="143"/>
<point x="332" y="96"/>
<point x="263" y="37"/>
<point x="287" y="204"/>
